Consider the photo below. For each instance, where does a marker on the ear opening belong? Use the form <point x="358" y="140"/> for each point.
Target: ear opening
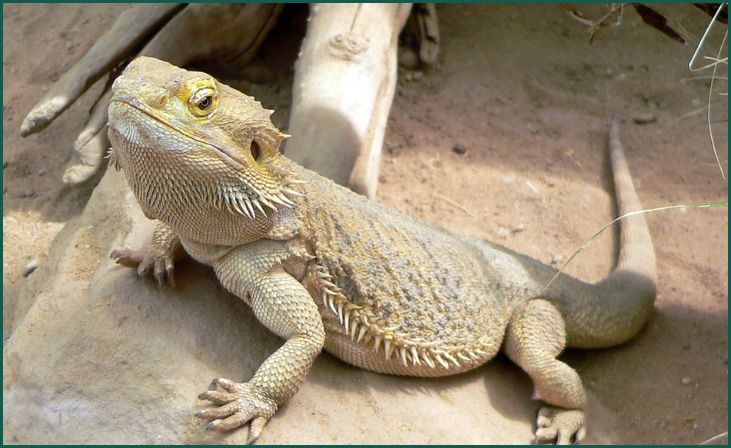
<point x="255" y="150"/>
<point x="268" y="140"/>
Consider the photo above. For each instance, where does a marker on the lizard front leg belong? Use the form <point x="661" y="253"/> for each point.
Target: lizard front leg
<point x="283" y="305"/>
<point x="157" y="258"/>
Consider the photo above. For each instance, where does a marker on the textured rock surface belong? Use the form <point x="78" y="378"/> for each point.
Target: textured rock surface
<point x="99" y="355"/>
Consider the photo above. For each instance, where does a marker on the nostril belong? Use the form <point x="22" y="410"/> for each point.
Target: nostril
<point x="162" y="100"/>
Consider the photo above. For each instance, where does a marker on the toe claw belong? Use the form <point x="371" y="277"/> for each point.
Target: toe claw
<point x="126" y="257"/>
<point x="564" y="438"/>
<point x="159" y="274"/>
<point x="542" y="421"/>
<point x="169" y="270"/>
<point x="216" y="397"/>
<point x="227" y="384"/>
<point x="255" y="431"/>
<point x="544" y="434"/>
<point x="144" y="268"/>
<point x="580" y="434"/>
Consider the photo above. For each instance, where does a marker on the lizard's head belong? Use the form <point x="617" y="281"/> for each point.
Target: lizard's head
<point x="192" y="133"/>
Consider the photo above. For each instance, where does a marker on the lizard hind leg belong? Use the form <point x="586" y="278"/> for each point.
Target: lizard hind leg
<point x="535" y="337"/>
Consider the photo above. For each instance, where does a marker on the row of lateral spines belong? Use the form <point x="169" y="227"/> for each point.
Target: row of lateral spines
<point x="360" y="329"/>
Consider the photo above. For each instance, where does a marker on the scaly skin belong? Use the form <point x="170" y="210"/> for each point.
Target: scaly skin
<point x="323" y="267"/>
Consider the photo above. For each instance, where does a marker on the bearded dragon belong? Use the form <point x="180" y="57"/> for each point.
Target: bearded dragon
<point x="325" y="268"/>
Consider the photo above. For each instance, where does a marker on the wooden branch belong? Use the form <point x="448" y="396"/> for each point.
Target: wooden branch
<point x="343" y="89"/>
<point x="126" y="36"/>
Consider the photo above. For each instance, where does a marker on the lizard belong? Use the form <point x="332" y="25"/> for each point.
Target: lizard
<point x="325" y="268"/>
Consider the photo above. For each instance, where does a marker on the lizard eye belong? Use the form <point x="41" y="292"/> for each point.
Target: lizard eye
<point x="203" y="101"/>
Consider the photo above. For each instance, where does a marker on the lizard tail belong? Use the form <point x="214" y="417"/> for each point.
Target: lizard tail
<point x="636" y="254"/>
<point x="614" y="310"/>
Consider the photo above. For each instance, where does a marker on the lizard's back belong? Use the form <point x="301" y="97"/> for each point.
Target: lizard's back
<point x="415" y="299"/>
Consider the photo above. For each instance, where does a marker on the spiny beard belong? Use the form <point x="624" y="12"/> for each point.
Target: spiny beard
<point x="113" y="158"/>
<point x="247" y="200"/>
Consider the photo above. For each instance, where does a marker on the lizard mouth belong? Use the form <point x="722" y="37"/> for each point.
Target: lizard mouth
<point x="229" y="156"/>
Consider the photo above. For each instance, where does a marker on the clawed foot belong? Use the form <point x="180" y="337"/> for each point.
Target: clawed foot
<point x="238" y="404"/>
<point x="146" y="262"/>
<point x="560" y="426"/>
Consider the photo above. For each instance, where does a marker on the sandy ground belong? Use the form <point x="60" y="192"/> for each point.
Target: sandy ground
<point x="523" y="91"/>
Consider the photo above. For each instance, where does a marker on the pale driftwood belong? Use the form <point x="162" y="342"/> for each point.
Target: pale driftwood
<point x="126" y="36"/>
<point x="428" y="32"/>
<point x="343" y="89"/>
<point x="91" y="144"/>
<point x="223" y="35"/>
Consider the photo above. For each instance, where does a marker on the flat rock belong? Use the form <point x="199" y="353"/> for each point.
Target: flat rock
<point x="99" y="355"/>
